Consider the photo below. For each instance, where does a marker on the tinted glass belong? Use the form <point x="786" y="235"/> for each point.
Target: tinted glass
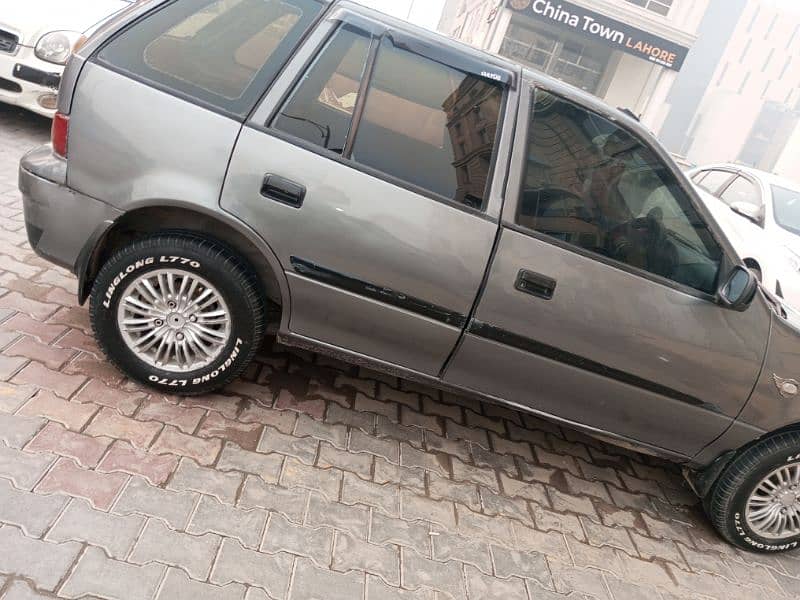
<point x="742" y="190"/>
<point x="590" y="184"/>
<point x="320" y="110"/>
<point x="787" y="208"/>
<point x="221" y="52"/>
<point x="715" y="180"/>
<point x="430" y="126"/>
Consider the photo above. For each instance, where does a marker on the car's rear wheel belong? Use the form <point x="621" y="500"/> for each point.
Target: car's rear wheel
<point x="179" y="313"/>
<point x="755" y="504"/>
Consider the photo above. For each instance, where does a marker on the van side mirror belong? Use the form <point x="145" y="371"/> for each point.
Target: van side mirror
<point x="748" y="211"/>
<point x="739" y="289"/>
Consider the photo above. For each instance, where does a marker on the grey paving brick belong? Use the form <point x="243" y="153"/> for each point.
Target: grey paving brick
<point x="528" y="565"/>
<point x="441" y="488"/>
<point x="365" y="386"/>
<point x="382" y="497"/>
<point x="449" y="546"/>
<point x="534" y="492"/>
<point x="23" y="468"/>
<point x="582" y="487"/>
<point x="44" y="563"/>
<point x="334" y="434"/>
<point x="330" y="456"/>
<point x="357" y="555"/>
<point x="458" y="448"/>
<point x="324" y="481"/>
<point x="97" y="575"/>
<point x="569" y="579"/>
<point x="13" y="396"/>
<point x="387" y="449"/>
<point x="389" y="394"/>
<point x="434" y="407"/>
<point x="358" y="420"/>
<point x="429" y="461"/>
<point x="504" y="446"/>
<point x="142" y="498"/>
<point x="18" y="430"/>
<point x="650" y="548"/>
<point x="178" y="586"/>
<point x="497" y="504"/>
<point x="600" y="535"/>
<point x="365" y="404"/>
<point x="291" y="503"/>
<point x="378" y="590"/>
<point x="20" y="590"/>
<point x="282" y="535"/>
<point x="212" y="516"/>
<point x="303" y="449"/>
<point x="236" y="564"/>
<point x="386" y="472"/>
<point x="413" y="418"/>
<point x="421" y="572"/>
<point x="481" y="476"/>
<point x="32" y="512"/>
<point x="322" y="512"/>
<point x="416" y="535"/>
<point x="192" y="553"/>
<point x="314" y="583"/>
<point x="497" y="462"/>
<point x="548" y="520"/>
<point x="491" y="529"/>
<point x="483" y="587"/>
<point x="81" y="523"/>
<point x="414" y="507"/>
<point x="191" y="477"/>
<point x="387" y="428"/>
<point x="266" y="466"/>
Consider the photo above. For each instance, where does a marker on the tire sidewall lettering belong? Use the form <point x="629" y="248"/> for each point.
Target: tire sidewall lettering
<point x="142" y="263"/>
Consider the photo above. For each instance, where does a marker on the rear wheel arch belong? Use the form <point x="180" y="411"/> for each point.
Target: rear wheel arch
<point x="160" y="218"/>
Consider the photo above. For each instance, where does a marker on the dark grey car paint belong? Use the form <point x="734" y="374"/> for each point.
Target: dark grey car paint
<point x="132" y="146"/>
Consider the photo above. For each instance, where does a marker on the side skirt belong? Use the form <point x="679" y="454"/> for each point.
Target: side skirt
<point x="354" y="358"/>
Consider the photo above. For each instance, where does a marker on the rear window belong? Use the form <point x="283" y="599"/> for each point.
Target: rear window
<point x="223" y="53"/>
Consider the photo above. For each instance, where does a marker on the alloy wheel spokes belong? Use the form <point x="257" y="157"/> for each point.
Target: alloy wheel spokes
<point x="773" y="509"/>
<point x="174" y="320"/>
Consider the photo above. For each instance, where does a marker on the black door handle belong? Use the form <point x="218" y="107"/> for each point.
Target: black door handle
<point x="283" y="190"/>
<point x="535" y="284"/>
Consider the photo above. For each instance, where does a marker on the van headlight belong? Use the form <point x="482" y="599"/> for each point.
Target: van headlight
<point x="56" y="46"/>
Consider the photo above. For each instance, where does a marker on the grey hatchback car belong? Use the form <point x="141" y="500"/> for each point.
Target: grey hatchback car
<point x="398" y="200"/>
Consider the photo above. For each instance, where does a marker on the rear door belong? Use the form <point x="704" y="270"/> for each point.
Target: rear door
<point x="600" y="304"/>
<point x="368" y="169"/>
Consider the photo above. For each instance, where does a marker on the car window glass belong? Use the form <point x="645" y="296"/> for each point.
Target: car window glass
<point x="320" y="110"/>
<point x="715" y="180"/>
<point x="430" y="126"/>
<point x="221" y="52"/>
<point x="787" y="208"/>
<point x="590" y="184"/>
<point x="741" y="190"/>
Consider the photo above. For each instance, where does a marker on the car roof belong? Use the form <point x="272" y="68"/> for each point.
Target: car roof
<point x="764" y="177"/>
<point x="525" y="74"/>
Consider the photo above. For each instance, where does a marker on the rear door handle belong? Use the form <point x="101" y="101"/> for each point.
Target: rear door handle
<point x="283" y="190"/>
<point x="535" y="284"/>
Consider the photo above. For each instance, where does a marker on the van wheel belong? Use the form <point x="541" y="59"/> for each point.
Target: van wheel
<point x="178" y="313"/>
<point x="755" y="504"/>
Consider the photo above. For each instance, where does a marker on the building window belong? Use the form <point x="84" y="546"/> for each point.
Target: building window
<point x="568" y="59"/>
<point x="661" y="7"/>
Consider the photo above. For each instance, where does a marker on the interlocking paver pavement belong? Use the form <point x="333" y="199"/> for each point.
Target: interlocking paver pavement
<point x="312" y="480"/>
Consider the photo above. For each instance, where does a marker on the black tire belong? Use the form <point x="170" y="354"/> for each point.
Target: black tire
<point x="726" y="504"/>
<point x="218" y="266"/>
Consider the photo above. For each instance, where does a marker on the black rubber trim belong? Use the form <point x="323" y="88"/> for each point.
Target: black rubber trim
<point x="31" y="75"/>
<point x="526" y="344"/>
<point x="377" y="292"/>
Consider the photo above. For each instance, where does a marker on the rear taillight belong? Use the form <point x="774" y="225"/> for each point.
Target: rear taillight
<point x="59" y="134"/>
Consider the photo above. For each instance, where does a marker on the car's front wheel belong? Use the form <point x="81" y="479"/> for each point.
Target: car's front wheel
<point x="755" y="504"/>
<point x="179" y="313"/>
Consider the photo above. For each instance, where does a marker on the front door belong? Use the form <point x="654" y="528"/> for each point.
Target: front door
<point x="600" y="306"/>
<point x="370" y="177"/>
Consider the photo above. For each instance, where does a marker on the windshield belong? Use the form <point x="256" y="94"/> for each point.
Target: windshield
<point x="787" y="208"/>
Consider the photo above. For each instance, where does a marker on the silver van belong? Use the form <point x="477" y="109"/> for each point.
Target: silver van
<point x="388" y="196"/>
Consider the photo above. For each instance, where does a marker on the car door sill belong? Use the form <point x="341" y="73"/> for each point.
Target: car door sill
<point x="361" y="360"/>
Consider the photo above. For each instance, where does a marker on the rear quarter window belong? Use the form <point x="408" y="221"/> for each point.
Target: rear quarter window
<point x="222" y="53"/>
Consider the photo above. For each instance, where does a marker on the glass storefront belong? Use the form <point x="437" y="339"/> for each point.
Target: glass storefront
<point x="568" y="58"/>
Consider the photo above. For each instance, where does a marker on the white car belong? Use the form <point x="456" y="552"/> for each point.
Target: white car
<point x="760" y="213"/>
<point x="36" y="39"/>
